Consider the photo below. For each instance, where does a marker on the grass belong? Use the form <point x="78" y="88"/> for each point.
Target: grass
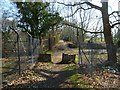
<point x="97" y="40"/>
<point x="70" y="67"/>
<point x="78" y="82"/>
<point x="103" y="56"/>
<point x="76" y="79"/>
<point x="6" y="66"/>
<point x="49" y="63"/>
<point x="48" y="52"/>
<point x="0" y="70"/>
<point x="100" y="56"/>
<point x="10" y="63"/>
<point x="83" y="58"/>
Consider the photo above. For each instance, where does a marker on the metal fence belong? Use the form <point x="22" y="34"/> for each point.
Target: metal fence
<point x="18" y="52"/>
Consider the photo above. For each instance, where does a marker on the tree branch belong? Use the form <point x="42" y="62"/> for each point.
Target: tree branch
<point x="114" y="12"/>
<point x="93" y="6"/>
<point x="112" y="26"/>
<point x="77" y="10"/>
<point x="88" y="3"/>
<point x="69" y="4"/>
<point x="73" y="25"/>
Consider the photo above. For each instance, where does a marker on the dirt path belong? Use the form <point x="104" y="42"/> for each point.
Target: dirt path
<point x="49" y="75"/>
<point x="45" y="75"/>
<point x="55" y="76"/>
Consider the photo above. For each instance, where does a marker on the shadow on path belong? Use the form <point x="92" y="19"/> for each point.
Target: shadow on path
<point x="53" y="79"/>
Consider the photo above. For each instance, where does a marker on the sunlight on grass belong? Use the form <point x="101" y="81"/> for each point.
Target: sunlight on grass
<point x="77" y="81"/>
<point x="83" y="58"/>
<point x="8" y="65"/>
<point x="0" y="70"/>
<point x="96" y="57"/>
<point x="102" y="56"/>
<point x="70" y="67"/>
<point x="48" y="52"/>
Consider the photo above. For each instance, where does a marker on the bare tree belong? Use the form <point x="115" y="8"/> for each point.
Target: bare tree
<point x="111" y="49"/>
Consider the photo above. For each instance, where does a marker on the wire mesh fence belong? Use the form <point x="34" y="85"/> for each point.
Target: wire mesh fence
<point x="20" y="50"/>
<point x="27" y="52"/>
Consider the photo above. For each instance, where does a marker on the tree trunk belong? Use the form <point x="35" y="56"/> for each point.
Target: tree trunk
<point x="41" y="45"/>
<point x="49" y="42"/>
<point x="111" y="49"/>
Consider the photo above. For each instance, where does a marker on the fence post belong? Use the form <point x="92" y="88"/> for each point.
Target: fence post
<point x="31" y="46"/>
<point x="18" y="50"/>
<point x="31" y="42"/>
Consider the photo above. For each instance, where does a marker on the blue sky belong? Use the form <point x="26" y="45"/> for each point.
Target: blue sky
<point x="7" y="6"/>
<point x="113" y="6"/>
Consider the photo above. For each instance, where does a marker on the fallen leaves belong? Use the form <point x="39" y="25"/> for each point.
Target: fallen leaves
<point x="101" y="78"/>
<point x="107" y="79"/>
<point x="27" y="76"/>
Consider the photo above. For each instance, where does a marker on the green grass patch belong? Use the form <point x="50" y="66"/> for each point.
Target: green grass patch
<point x="48" y="52"/>
<point x="103" y="55"/>
<point x="97" y="40"/>
<point x="50" y="63"/>
<point x="83" y="58"/>
<point x="96" y="56"/>
<point x="76" y="59"/>
<point x="8" y="65"/>
<point x="78" y="82"/>
<point x="70" y="67"/>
